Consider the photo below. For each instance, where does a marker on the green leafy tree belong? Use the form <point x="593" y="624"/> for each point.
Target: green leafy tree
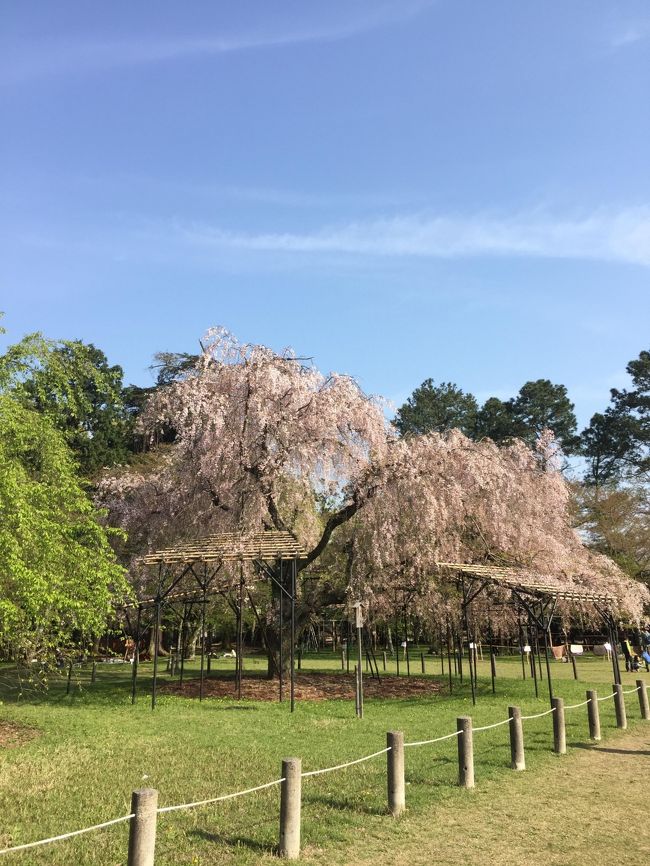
<point x="617" y="442"/>
<point x="609" y="444"/>
<point x="436" y="408"/>
<point x="58" y="574"/>
<point x="73" y="385"/>
<point x="495" y="420"/>
<point x="541" y="405"/>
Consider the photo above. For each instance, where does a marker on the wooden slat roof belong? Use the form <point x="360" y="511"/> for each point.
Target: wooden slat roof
<point x="230" y="546"/>
<point x="512" y="577"/>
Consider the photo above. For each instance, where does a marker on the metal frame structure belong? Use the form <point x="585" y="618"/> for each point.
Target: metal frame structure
<point x="535" y="597"/>
<point x="192" y="571"/>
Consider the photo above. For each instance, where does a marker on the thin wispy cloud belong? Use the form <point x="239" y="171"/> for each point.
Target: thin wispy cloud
<point x="65" y="56"/>
<point x="605" y="235"/>
<point x="631" y="34"/>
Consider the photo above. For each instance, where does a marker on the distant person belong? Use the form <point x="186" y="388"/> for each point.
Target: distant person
<point x="628" y="652"/>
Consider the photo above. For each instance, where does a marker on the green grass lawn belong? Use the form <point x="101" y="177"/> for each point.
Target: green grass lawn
<point x="94" y="748"/>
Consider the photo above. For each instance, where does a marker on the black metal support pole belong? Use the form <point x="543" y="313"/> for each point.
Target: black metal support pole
<point x="442" y="654"/>
<point x="493" y="672"/>
<point x="397" y="641"/>
<point x="521" y="647"/>
<point x="204" y="602"/>
<point x="449" y="657"/>
<point x="156" y="638"/>
<point x="183" y="631"/>
<point x="537" y="651"/>
<point x="281" y="651"/>
<point x="348" y="647"/>
<point x="406" y="642"/>
<point x="475" y="653"/>
<point x="293" y="633"/>
<point x="470" y="648"/>
<point x="239" y="662"/>
<point x="613" y="639"/>
<point x="533" y="665"/>
<point x="136" y="656"/>
<point x="546" y="625"/>
<point x="360" y="672"/>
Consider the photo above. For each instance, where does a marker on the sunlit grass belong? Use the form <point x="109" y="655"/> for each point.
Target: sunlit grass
<point x="95" y="748"/>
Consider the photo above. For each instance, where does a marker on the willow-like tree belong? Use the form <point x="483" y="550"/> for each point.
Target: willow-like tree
<point x="266" y="441"/>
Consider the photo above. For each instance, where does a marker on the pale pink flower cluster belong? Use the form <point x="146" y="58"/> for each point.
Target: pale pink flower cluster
<point x="266" y="441"/>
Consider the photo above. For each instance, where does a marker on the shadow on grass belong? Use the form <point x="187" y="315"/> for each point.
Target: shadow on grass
<point x="238" y="707"/>
<point x="234" y="841"/>
<point x="343" y="805"/>
<point x="596" y="748"/>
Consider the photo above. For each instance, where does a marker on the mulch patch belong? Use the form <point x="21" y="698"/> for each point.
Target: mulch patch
<point x="309" y="687"/>
<point x="12" y="734"/>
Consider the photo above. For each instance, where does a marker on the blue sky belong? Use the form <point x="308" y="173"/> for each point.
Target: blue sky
<point x="398" y="188"/>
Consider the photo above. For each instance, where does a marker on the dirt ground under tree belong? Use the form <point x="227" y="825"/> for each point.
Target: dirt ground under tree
<point x="309" y="687"/>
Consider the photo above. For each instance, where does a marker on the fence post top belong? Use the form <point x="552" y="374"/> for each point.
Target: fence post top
<point x="395" y="733"/>
<point x="146" y="793"/>
<point x="293" y="761"/>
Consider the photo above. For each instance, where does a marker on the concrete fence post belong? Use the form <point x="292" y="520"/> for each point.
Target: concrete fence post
<point x="517" y="756"/>
<point x="643" y="699"/>
<point x="290" y="796"/>
<point x="383" y="656"/>
<point x="395" y="761"/>
<point x="559" y="727"/>
<point x="619" y="705"/>
<point x="593" y="712"/>
<point x="465" y="752"/>
<point x="142" y="832"/>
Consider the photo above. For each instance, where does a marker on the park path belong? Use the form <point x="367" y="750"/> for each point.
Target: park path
<point x="591" y="806"/>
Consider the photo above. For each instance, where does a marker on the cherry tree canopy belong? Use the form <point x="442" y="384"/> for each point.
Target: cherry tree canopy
<point x="266" y="441"/>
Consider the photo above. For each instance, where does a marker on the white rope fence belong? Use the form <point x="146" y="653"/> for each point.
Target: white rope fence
<point x="575" y="706"/>
<point x="436" y="740"/>
<point x="67" y="835"/>
<point x="310" y="773"/>
<point x="538" y="715"/>
<point x="495" y="725"/>
<point x="348" y="764"/>
<point x="220" y="799"/>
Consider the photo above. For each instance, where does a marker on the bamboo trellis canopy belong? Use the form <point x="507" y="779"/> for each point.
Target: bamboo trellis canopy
<point x="513" y="579"/>
<point x="230" y="546"/>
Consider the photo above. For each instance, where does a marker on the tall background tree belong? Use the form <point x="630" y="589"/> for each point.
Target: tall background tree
<point x="614" y="500"/>
<point x="436" y="408"/>
<point x="616" y="443"/>
<point x="72" y="384"/>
